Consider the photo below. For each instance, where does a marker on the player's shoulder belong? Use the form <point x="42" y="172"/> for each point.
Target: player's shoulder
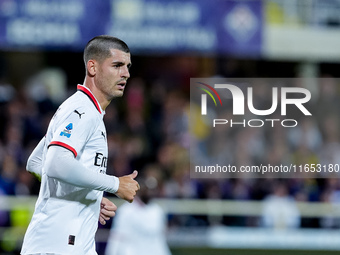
<point x="155" y="207"/>
<point x="74" y="112"/>
<point x="80" y="105"/>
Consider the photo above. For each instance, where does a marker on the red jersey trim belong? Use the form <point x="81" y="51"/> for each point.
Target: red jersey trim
<point x="64" y="145"/>
<point x="90" y="95"/>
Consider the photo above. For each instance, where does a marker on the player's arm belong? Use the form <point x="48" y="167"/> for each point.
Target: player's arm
<point x="34" y="162"/>
<point x="61" y="164"/>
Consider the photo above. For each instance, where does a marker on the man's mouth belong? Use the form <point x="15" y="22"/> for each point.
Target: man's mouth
<point x="121" y="85"/>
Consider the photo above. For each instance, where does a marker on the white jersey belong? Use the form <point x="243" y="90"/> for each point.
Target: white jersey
<point x="66" y="217"/>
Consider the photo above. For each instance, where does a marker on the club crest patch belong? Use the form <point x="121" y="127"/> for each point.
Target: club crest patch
<point x="67" y="131"/>
<point x="71" y="239"/>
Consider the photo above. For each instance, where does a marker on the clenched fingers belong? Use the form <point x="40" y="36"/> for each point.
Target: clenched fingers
<point x="108" y="210"/>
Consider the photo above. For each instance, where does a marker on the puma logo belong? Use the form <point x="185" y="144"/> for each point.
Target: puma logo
<point x="79" y="113"/>
<point x="103" y="134"/>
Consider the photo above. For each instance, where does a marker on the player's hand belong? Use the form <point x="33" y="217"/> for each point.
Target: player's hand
<point x="107" y="210"/>
<point x="128" y="187"/>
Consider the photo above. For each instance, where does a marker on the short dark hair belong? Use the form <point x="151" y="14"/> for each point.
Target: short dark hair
<point x="99" y="47"/>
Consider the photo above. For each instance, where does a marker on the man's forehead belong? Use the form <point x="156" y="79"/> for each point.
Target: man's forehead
<point x="115" y="53"/>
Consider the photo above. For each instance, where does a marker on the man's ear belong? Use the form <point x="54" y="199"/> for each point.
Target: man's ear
<point x="91" y="67"/>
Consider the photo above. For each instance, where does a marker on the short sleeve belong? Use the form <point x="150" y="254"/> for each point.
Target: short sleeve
<point x="73" y="131"/>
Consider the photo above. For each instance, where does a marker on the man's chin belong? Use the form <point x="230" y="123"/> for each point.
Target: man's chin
<point x="118" y="93"/>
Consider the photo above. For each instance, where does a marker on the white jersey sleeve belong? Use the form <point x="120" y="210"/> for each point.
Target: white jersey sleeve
<point x="34" y="162"/>
<point x="64" y="167"/>
<point x="73" y="130"/>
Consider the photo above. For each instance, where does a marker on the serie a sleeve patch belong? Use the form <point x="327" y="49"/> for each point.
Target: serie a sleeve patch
<point x="67" y="131"/>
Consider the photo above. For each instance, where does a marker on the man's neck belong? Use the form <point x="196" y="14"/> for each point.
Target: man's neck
<point x="88" y="83"/>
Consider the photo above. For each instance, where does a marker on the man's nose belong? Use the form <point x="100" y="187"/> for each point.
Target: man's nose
<point x="125" y="72"/>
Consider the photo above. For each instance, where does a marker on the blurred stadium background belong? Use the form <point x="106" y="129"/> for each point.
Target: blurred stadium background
<point x="41" y="45"/>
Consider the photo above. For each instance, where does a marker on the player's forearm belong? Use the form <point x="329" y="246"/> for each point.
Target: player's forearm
<point x="34" y="162"/>
<point x="61" y="165"/>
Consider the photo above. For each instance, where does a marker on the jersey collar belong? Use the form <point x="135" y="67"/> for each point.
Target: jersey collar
<point x="88" y="92"/>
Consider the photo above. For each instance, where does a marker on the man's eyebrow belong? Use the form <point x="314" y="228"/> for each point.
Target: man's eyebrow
<point x="121" y="63"/>
<point x="118" y="63"/>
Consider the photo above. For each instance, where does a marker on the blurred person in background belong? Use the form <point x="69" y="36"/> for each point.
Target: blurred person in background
<point x="279" y="209"/>
<point x="331" y="196"/>
<point x="71" y="159"/>
<point x="140" y="227"/>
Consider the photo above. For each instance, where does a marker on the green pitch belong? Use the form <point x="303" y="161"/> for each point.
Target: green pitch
<point x="207" y="251"/>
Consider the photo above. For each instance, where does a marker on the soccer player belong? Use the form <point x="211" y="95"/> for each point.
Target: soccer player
<point x="72" y="158"/>
<point x="140" y="228"/>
